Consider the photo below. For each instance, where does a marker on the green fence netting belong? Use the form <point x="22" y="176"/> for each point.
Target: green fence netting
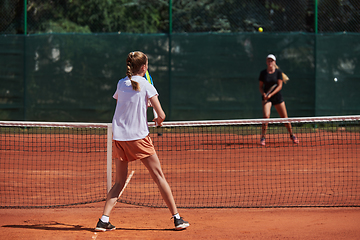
<point x="72" y="77"/>
<point x="337" y="75"/>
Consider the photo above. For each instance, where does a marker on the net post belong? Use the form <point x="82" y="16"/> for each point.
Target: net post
<point x="109" y="157"/>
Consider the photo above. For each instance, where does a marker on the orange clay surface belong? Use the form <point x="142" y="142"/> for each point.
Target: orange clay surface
<point x="135" y="222"/>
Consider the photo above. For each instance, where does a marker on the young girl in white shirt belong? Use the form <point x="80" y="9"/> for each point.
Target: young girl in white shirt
<point x="131" y="136"/>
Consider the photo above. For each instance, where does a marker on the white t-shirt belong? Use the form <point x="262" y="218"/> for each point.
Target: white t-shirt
<point x="130" y="117"/>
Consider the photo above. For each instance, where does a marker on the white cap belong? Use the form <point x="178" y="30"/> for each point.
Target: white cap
<point x="272" y="56"/>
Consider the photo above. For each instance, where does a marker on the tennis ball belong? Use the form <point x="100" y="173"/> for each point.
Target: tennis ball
<point x="260" y="29"/>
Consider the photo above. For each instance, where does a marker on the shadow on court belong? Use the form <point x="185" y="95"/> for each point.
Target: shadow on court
<point x="56" y="226"/>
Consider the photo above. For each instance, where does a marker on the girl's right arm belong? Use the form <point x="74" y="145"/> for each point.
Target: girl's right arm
<point x="158" y="109"/>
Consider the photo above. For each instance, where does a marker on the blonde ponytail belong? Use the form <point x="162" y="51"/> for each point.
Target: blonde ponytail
<point x="134" y="62"/>
<point x="135" y="85"/>
<point x="284" y="76"/>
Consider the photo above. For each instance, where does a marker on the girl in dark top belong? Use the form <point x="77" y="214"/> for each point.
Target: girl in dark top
<point x="269" y="77"/>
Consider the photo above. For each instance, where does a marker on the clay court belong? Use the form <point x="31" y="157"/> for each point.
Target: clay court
<point x="134" y="222"/>
<point x="225" y="185"/>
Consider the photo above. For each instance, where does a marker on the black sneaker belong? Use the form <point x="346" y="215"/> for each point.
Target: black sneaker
<point x="180" y="224"/>
<point x="103" y="227"/>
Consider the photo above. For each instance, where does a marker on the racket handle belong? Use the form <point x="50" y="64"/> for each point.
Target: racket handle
<point x="155" y="116"/>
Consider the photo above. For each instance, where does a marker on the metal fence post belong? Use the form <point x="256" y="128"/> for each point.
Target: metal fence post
<point x="170" y="68"/>
<point x="24" y="61"/>
<point x="315" y="54"/>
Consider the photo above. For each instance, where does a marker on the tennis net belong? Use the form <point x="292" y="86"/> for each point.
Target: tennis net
<point x="208" y="164"/>
<point x="52" y="164"/>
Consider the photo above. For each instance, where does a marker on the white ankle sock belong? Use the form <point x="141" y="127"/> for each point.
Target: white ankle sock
<point x="177" y="216"/>
<point x="105" y="219"/>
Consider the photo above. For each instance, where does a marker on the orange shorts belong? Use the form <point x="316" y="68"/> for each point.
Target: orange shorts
<point x="134" y="150"/>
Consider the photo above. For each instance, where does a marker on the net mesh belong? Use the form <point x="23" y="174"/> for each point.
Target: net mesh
<point x="208" y="164"/>
<point x="49" y="164"/>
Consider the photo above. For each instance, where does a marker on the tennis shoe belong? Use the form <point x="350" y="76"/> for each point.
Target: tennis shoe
<point x="294" y="139"/>
<point x="262" y="141"/>
<point x="180" y="224"/>
<point x="103" y="227"/>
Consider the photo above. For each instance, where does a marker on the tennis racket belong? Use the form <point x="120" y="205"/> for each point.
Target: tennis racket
<point x="271" y="89"/>
<point x="149" y="79"/>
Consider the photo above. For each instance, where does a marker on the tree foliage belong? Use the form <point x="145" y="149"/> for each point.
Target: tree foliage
<point x="152" y="16"/>
<point x="10" y="14"/>
<point x="85" y="16"/>
<point x="138" y="16"/>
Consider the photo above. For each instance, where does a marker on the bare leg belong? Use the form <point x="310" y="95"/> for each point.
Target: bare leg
<point x="266" y="114"/>
<point x="281" y="109"/>
<point x="152" y="163"/>
<point x="112" y="196"/>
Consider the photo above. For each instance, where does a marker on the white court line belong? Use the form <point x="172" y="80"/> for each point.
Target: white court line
<point x="94" y="236"/>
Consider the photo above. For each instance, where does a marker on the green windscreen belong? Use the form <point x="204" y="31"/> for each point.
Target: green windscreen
<point x="72" y="77"/>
